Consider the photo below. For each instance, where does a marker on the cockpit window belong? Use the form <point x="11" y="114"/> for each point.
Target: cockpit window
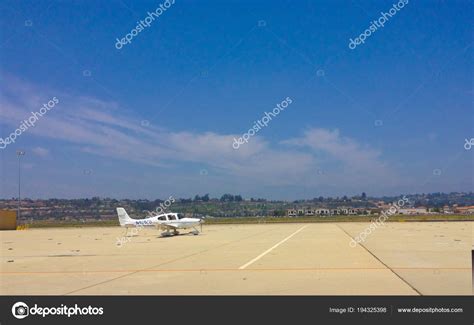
<point x="180" y="216"/>
<point x="162" y="218"/>
<point x="171" y="217"/>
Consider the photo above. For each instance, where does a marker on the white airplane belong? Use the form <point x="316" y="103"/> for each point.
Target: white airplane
<point x="166" y="221"/>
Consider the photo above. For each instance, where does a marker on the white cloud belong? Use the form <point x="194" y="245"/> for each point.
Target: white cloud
<point x="344" y="149"/>
<point x="357" y="165"/>
<point x="42" y="152"/>
<point x="103" y="128"/>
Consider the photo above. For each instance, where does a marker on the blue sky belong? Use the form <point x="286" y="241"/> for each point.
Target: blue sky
<point x="157" y="117"/>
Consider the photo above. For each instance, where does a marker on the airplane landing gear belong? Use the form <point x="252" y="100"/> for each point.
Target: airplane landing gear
<point x="169" y="233"/>
<point x="166" y="234"/>
<point x="126" y="232"/>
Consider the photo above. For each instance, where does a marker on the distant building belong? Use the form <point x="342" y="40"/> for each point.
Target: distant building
<point x="347" y="211"/>
<point x="465" y="210"/>
<point x="381" y="204"/>
<point x="352" y="211"/>
<point x="447" y="209"/>
<point x="300" y="212"/>
<point x="322" y="212"/>
<point x="411" y="211"/>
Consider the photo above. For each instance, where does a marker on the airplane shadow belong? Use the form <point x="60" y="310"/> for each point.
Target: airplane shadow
<point x="180" y="234"/>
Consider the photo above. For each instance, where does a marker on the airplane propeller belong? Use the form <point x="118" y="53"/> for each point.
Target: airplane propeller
<point x="202" y="220"/>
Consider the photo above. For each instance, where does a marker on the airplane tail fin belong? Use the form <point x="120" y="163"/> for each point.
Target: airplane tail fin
<point x="123" y="216"/>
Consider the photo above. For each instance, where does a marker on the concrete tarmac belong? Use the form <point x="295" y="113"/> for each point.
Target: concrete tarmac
<point x="411" y="258"/>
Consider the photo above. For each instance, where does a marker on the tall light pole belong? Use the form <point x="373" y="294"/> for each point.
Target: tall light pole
<point x="19" y="153"/>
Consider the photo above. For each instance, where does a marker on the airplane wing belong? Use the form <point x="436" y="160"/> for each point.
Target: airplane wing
<point x="168" y="226"/>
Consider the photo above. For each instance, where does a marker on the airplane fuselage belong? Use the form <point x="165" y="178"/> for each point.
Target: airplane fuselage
<point x="166" y="220"/>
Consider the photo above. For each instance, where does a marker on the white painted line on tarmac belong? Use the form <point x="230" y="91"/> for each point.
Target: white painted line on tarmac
<point x="270" y="249"/>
